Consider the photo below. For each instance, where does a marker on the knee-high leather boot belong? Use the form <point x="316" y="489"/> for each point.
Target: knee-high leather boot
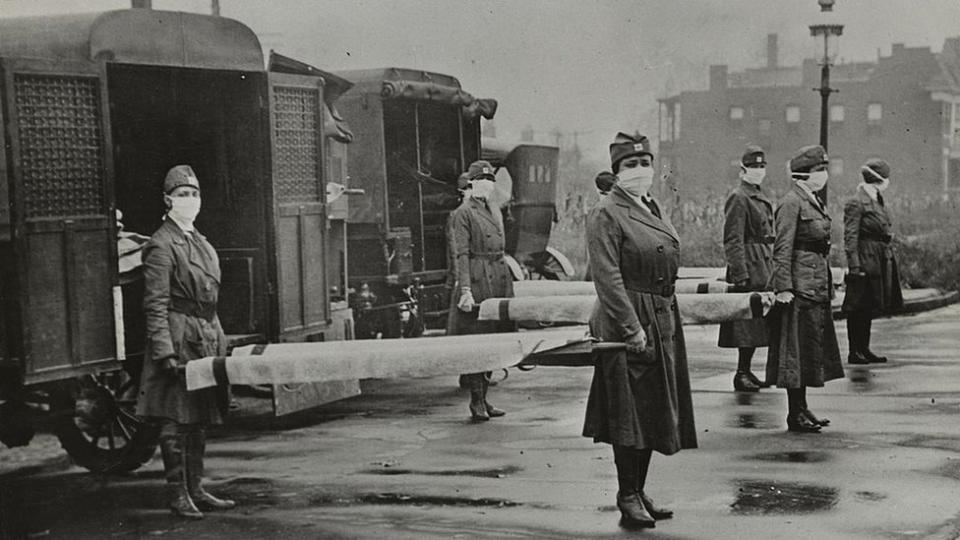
<point x="492" y="411"/>
<point x="197" y="446"/>
<point x="172" y="447"/>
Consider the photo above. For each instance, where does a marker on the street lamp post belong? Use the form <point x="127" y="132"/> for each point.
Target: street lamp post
<point x="830" y="34"/>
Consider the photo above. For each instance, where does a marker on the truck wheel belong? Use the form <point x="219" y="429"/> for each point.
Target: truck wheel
<point x="98" y="427"/>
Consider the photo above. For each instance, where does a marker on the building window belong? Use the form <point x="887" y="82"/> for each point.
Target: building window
<point x="836" y="167"/>
<point x="792" y="114"/>
<point x="764" y="126"/>
<point x="736" y="114"/>
<point x="874" y="114"/>
<point x="836" y="113"/>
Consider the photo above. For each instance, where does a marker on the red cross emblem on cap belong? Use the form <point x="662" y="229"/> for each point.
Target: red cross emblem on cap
<point x="759" y="159"/>
<point x="486" y="170"/>
<point x="638" y="146"/>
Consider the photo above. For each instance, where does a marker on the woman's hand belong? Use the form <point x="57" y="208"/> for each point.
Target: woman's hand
<point x="466" y="301"/>
<point x="636" y="343"/>
<point x="784" y="297"/>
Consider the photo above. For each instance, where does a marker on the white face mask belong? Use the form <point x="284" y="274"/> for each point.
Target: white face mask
<point x="184" y="209"/>
<point x="482" y="188"/>
<point x="636" y="181"/>
<point x="883" y="185"/>
<point x="816" y="180"/>
<point x="753" y="176"/>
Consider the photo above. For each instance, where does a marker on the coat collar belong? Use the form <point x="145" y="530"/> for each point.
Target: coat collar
<point x="483" y="209"/>
<point x="806" y="197"/>
<point x="755" y="192"/>
<point x="180" y="238"/>
<point x="640" y="212"/>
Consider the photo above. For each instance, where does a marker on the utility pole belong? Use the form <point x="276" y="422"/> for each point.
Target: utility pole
<point x="215" y="8"/>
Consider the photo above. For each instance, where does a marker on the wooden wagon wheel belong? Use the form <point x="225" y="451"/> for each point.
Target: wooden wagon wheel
<point x="98" y="427"/>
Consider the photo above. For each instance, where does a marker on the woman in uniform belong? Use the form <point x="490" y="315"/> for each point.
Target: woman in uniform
<point x="873" y="280"/>
<point x="181" y="284"/>
<point x="481" y="272"/>
<point x="803" y="343"/>
<point x="640" y="397"/>
<point x="748" y="248"/>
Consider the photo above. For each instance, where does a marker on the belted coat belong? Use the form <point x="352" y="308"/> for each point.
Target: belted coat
<point x="637" y="400"/>
<point x="866" y="236"/>
<point x="748" y="233"/>
<point x="476" y="240"/>
<point x="181" y="272"/>
<point x="803" y="341"/>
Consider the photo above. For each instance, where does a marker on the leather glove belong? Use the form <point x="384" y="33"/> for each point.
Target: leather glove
<point x="784" y="297"/>
<point x="170" y="365"/>
<point x="466" y="302"/>
<point x="636" y="343"/>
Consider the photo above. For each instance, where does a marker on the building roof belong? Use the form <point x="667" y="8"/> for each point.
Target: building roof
<point x="948" y="79"/>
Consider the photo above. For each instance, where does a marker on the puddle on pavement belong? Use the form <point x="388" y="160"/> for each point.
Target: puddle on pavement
<point x="404" y="499"/>
<point x="760" y="497"/>
<point x="497" y="472"/>
<point x="753" y="421"/>
<point x="861" y="379"/>
<point x="802" y="456"/>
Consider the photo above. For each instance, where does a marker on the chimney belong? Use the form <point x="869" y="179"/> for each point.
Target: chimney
<point x="718" y="77"/>
<point x="772" y="51"/>
<point x="141" y="4"/>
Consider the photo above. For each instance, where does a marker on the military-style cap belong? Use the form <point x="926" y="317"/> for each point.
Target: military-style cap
<point x="605" y="181"/>
<point x="624" y="146"/>
<point x="753" y="155"/>
<point x="807" y="158"/>
<point x="481" y="169"/>
<point x="879" y="168"/>
<point x="181" y="175"/>
<point x="463" y="181"/>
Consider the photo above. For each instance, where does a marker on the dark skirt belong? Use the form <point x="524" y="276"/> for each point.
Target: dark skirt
<point x="875" y="294"/>
<point x="643" y="401"/>
<point x="748" y="333"/>
<point x="803" y="345"/>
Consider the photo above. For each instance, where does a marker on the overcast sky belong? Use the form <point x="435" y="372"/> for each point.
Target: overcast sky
<point x="590" y="66"/>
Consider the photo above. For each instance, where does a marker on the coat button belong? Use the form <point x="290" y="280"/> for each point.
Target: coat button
<point x="660" y="249"/>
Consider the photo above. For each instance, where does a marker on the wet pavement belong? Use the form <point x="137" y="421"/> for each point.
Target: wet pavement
<point x="403" y="461"/>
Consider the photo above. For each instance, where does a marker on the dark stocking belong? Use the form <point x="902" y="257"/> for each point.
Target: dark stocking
<point x="627" y="473"/>
<point x="643" y="467"/>
<point x="744" y="358"/>
<point x="796" y="400"/>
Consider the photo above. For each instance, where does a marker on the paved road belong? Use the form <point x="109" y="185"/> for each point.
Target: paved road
<point x="402" y="461"/>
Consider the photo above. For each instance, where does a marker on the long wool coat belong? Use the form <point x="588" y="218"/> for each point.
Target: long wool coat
<point x="748" y="233"/>
<point x="637" y="400"/>
<point x="476" y="240"/>
<point x="866" y="235"/>
<point x="803" y="342"/>
<point x="183" y="268"/>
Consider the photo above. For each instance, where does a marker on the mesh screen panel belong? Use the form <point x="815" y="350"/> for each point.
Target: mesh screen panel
<point x="296" y="126"/>
<point x="61" y="147"/>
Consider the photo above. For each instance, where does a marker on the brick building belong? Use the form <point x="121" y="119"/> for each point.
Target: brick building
<point x="904" y="107"/>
